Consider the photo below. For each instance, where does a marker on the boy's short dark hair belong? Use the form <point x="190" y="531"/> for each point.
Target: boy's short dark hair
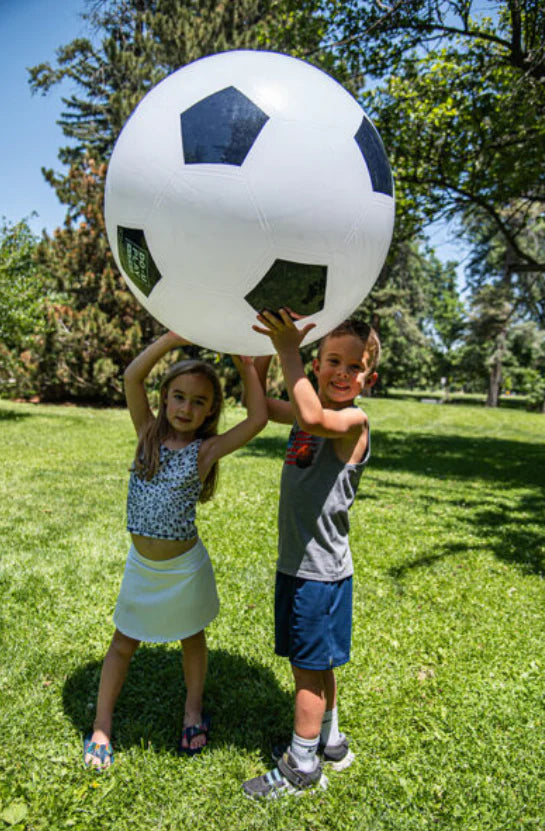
<point x="361" y="330"/>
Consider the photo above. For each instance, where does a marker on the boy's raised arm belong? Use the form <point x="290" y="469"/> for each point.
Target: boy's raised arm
<point x="307" y="407"/>
<point x="311" y="415"/>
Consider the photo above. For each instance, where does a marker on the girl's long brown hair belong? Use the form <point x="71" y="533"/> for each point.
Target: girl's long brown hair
<point x="146" y="461"/>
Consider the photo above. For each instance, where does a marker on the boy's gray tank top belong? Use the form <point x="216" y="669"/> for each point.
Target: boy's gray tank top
<point x="317" y="490"/>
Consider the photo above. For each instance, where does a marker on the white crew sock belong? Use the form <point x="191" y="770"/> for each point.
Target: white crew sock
<point x="304" y="752"/>
<point x="329" y="734"/>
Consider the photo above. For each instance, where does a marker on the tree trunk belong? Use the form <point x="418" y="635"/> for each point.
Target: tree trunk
<point x="496" y="367"/>
<point x="495" y="379"/>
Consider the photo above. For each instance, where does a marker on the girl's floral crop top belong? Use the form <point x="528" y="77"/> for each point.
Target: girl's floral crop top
<point x="165" y="506"/>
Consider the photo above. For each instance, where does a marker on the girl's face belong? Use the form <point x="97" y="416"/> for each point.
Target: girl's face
<point x="189" y="401"/>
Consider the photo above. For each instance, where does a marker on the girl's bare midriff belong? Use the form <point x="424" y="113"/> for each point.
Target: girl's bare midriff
<point x="156" y="549"/>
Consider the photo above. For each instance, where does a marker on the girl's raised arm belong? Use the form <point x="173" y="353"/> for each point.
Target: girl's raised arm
<point x="255" y="421"/>
<point x="278" y="410"/>
<point x="137" y="372"/>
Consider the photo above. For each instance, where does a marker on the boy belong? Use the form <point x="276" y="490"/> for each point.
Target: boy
<point x="327" y="451"/>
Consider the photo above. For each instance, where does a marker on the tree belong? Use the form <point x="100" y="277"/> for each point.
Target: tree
<point x="503" y="293"/>
<point x="21" y="300"/>
<point x="21" y="288"/>
<point x="415" y="307"/>
<point x="91" y="322"/>
<point x="138" y="42"/>
<point x="460" y="101"/>
<point x="525" y="363"/>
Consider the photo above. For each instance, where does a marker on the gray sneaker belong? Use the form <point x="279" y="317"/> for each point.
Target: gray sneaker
<point x="285" y="778"/>
<point x="336" y="756"/>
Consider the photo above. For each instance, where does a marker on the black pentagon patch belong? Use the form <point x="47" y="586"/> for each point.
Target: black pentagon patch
<point x="372" y="150"/>
<point x="136" y="259"/>
<point x="296" y="286"/>
<point x="221" y="128"/>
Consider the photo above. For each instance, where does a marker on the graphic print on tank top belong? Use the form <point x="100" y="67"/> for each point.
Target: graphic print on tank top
<point x="301" y="448"/>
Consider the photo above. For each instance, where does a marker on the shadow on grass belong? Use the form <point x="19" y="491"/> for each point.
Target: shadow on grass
<point x="522" y="547"/>
<point x="247" y="706"/>
<point x="13" y="415"/>
<point x="56" y="412"/>
<point x="270" y="446"/>
<point x="463" y="457"/>
<point x="436" y="456"/>
<point x="510" y="526"/>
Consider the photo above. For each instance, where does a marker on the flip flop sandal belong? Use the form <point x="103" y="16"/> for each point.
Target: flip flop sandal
<point x="99" y="752"/>
<point x="189" y="733"/>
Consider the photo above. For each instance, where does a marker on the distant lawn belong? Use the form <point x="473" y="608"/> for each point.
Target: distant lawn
<point x="514" y="401"/>
<point x="443" y="698"/>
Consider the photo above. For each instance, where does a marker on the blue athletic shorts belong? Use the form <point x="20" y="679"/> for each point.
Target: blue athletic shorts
<point x="313" y="621"/>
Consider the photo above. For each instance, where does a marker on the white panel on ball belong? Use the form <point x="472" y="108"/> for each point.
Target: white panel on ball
<point x="243" y="180"/>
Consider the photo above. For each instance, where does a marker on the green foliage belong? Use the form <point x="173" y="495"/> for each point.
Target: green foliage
<point x="136" y="43"/>
<point x="533" y="384"/>
<point x="22" y="305"/>
<point x="21" y="286"/>
<point x="460" y="103"/>
<point x="417" y="311"/>
<point x="442" y="698"/>
<point x="91" y="325"/>
<point x="524" y="364"/>
<point x="505" y="299"/>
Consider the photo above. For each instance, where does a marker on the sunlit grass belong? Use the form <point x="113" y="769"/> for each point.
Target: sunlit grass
<point x="443" y="698"/>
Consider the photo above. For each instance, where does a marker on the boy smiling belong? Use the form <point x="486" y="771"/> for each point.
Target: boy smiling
<point x="328" y="449"/>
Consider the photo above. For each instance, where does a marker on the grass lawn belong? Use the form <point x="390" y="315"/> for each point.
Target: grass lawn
<point x="444" y="696"/>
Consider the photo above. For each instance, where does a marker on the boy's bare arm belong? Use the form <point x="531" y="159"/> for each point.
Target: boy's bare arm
<point x="347" y="423"/>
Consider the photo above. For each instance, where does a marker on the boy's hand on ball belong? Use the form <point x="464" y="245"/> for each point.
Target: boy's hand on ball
<point x="281" y="329"/>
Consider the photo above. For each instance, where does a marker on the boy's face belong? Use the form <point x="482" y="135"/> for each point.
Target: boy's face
<point x="342" y="370"/>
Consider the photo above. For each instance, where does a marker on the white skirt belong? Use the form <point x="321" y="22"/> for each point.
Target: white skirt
<point x="166" y="600"/>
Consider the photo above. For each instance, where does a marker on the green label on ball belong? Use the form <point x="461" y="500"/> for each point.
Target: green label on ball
<point x="136" y="259"/>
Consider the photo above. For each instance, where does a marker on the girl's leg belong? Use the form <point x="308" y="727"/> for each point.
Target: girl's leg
<point x="114" y="671"/>
<point x="195" y="660"/>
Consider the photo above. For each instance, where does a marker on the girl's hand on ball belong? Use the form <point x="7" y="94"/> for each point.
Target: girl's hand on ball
<point x="240" y="361"/>
<point x="178" y="338"/>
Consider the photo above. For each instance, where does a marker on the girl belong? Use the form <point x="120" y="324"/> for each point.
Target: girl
<point x="168" y="590"/>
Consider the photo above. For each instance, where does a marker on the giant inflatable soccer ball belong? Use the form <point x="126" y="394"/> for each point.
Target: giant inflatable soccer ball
<point x="243" y="181"/>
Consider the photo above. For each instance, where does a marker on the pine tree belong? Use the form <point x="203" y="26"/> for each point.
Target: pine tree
<point x="94" y="324"/>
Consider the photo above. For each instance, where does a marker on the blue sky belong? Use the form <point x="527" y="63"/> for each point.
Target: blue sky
<point x="30" y="33"/>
